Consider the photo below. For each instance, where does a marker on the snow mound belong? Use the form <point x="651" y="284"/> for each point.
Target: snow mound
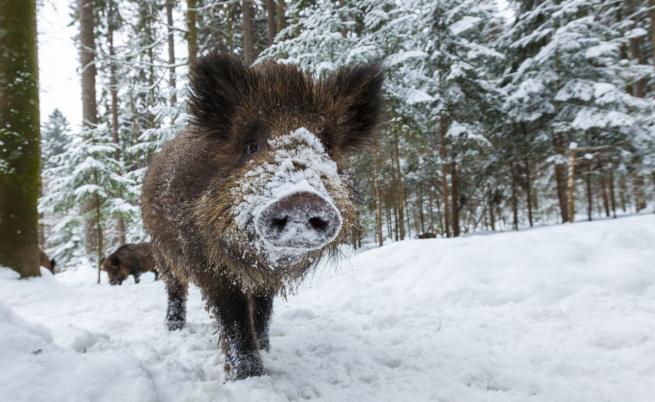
<point x="563" y="313"/>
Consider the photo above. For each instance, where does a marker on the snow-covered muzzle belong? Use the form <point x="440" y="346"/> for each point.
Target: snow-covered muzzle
<point x="290" y="201"/>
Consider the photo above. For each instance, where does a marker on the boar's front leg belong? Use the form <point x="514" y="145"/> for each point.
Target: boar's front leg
<point x="176" y="310"/>
<point x="262" y="309"/>
<point x="237" y="338"/>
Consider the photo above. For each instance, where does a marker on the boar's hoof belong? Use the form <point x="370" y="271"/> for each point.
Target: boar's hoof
<point x="264" y="344"/>
<point x="174" y="325"/>
<point x="243" y="366"/>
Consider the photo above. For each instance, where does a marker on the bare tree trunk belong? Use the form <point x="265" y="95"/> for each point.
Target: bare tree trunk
<point x="590" y="197"/>
<point x="492" y="217"/>
<point x="89" y="107"/>
<point x="651" y="5"/>
<point x="623" y="193"/>
<point x="248" y="29"/>
<point x="638" y="189"/>
<point x="342" y="17"/>
<point x="570" y="198"/>
<point x="170" y="4"/>
<point x="280" y="17"/>
<point x="443" y="130"/>
<point x="376" y="189"/>
<point x="528" y="178"/>
<point x="560" y="178"/>
<point x="270" y="21"/>
<point x="113" y="94"/>
<point x="455" y="198"/>
<point x="431" y="209"/>
<point x="612" y="195"/>
<point x="634" y="43"/>
<point x="421" y="217"/>
<point x="19" y="153"/>
<point x="400" y="194"/>
<point x="98" y="219"/>
<point x="515" y="207"/>
<point x="192" y="30"/>
<point x="606" y="199"/>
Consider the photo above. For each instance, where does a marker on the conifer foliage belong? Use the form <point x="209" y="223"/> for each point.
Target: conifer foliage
<point x="495" y="119"/>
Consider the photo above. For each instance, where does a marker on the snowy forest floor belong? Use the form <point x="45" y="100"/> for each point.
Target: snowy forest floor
<point x="564" y="313"/>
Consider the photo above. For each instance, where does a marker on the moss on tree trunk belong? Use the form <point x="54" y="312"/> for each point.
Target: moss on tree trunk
<point x="19" y="137"/>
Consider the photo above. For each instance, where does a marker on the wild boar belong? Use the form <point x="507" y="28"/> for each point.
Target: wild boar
<point x="129" y="259"/>
<point x="251" y="195"/>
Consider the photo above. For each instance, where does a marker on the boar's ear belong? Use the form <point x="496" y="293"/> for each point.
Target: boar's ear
<point x="357" y="92"/>
<point x="218" y="83"/>
<point x="114" y="260"/>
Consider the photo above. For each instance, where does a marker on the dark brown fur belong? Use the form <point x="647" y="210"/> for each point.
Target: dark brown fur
<point x="190" y="187"/>
<point x="46" y="261"/>
<point x="129" y="259"/>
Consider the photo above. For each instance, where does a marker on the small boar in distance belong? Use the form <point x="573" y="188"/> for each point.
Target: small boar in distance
<point x="46" y="262"/>
<point x="253" y="193"/>
<point x="129" y="259"/>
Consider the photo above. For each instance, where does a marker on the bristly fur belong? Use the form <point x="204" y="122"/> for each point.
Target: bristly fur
<point x="192" y="185"/>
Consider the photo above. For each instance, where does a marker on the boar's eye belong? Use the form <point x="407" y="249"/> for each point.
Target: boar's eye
<point x="251" y="147"/>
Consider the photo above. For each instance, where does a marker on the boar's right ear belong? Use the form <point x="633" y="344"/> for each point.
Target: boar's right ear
<point x="218" y="83"/>
<point x="357" y="90"/>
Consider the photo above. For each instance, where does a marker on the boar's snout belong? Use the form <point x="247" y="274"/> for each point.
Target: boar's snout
<point x="300" y="220"/>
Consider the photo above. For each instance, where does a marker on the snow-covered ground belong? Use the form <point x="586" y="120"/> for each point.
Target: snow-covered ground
<point x="564" y="313"/>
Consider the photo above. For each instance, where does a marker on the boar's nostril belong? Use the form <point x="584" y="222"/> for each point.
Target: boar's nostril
<point x="318" y="223"/>
<point x="299" y="220"/>
<point x="279" y="223"/>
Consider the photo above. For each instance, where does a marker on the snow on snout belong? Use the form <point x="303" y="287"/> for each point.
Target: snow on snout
<point x="298" y="164"/>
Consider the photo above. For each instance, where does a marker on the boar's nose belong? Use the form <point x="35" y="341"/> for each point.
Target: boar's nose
<point x="300" y="220"/>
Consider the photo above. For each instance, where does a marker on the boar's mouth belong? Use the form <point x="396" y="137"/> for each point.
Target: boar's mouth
<point x="297" y="223"/>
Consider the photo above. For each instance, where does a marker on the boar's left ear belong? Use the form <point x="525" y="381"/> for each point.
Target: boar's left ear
<point x="357" y="92"/>
<point x="114" y="260"/>
<point x="218" y="83"/>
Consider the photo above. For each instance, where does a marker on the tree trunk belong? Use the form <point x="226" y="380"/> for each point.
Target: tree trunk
<point x="270" y="21"/>
<point x="192" y="30"/>
<point x="455" y="198"/>
<point x="89" y="107"/>
<point x="20" y="137"/>
<point x="443" y="130"/>
<point x="492" y="217"/>
<point x="590" y="195"/>
<point x="515" y="207"/>
<point x="248" y="29"/>
<point x="342" y="16"/>
<point x="376" y="191"/>
<point x="638" y="189"/>
<point x="623" y="193"/>
<point x="612" y="196"/>
<point x="280" y="18"/>
<point x="651" y="5"/>
<point x="400" y="194"/>
<point x="98" y="219"/>
<point x="113" y="94"/>
<point x="431" y="209"/>
<point x="635" y="50"/>
<point x="528" y="179"/>
<point x="570" y="196"/>
<point x="421" y="217"/>
<point x="560" y="178"/>
<point x="170" y="4"/>
<point x="606" y="199"/>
